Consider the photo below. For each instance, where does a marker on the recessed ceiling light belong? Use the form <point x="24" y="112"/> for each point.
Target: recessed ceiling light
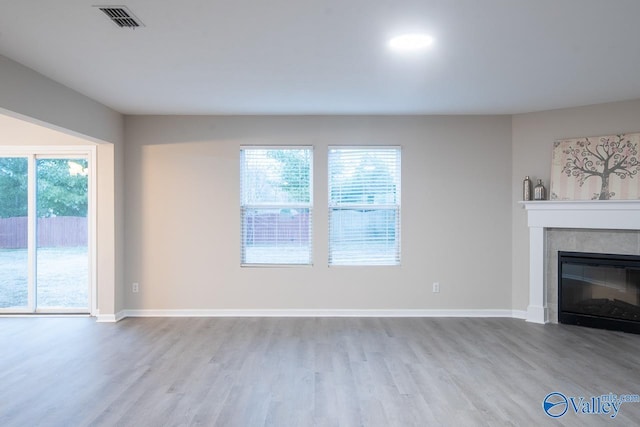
<point x="411" y="42"/>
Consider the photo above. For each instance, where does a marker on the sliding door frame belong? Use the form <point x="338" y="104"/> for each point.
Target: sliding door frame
<point x="33" y="153"/>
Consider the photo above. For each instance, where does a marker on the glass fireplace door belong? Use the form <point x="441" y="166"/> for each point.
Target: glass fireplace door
<point x="599" y="290"/>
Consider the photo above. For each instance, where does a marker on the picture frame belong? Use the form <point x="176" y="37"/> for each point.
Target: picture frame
<point x="596" y="168"/>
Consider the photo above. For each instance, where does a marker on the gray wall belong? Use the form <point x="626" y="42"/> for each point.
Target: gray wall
<point x="533" y="136"/>
<point x="183" y="227"/>
<point x="26" y="93"/>
<point x="35" y="110"/>
<point x="456" y="174"/>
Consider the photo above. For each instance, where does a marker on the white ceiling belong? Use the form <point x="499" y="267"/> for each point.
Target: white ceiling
<point x="330" y="56"/>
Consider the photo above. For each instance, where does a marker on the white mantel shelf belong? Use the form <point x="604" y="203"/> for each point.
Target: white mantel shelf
<point x="581" y="204"/>
<point x="585" y="214"/>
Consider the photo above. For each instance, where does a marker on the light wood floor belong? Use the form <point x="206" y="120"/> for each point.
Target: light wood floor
<point x="307" y="372"/>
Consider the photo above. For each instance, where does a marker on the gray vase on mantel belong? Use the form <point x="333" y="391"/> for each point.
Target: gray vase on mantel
<point x="540" y="193"/>
<point x="526" y="189"/>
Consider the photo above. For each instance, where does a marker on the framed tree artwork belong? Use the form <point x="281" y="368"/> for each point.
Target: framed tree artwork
<point x="596" y="168"/>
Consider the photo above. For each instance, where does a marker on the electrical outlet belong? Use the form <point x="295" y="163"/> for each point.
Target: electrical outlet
<point x="135" y="287"/>
<point x="436" y="287"/>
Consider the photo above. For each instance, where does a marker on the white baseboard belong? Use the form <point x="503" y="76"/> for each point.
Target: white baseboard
<point x="110" y="318"/>
<point x="106" y="318"/>
<point x="43" y="315"/>
<point x="321" y="313"/>
<point x="519" y="314"/>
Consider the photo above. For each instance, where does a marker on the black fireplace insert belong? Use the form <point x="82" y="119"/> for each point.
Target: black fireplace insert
<point x="599" y="290"/>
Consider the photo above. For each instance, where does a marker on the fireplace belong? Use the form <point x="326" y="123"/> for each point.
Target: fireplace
<point x="601" y="215"/>
<point x="599" y="290"/>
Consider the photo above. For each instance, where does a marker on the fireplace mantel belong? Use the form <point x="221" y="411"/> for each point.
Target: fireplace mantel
<point x="585" y="214"/>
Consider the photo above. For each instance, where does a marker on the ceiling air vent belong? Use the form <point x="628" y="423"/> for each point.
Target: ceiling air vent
<point x="121" y="16"/>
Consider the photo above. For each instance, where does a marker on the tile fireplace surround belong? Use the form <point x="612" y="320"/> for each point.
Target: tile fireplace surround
<point x="607" y="226"/>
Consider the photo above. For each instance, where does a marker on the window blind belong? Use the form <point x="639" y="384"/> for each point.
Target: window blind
<point x="364" y="206"/>
<point x="276" y="205"/>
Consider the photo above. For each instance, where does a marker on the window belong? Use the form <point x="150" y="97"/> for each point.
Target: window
<point x="276" y="205"/>
<point x="364" y="206"/>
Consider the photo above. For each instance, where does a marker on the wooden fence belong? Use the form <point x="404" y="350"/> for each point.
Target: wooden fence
<point x="60" y="231"/>
<point x="273" y="227"/>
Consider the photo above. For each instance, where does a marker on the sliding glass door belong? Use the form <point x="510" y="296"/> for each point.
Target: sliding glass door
<point x="14" y="259"/>
<point x="44" y="234"/>
<point x="62" y="257"/>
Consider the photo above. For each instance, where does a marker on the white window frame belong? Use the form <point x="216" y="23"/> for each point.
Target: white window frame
<point x="247" y="206"/>
<point x="366" y="206"/>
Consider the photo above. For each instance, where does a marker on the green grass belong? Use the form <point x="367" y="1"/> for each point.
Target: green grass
<point x="62" y="278"/>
